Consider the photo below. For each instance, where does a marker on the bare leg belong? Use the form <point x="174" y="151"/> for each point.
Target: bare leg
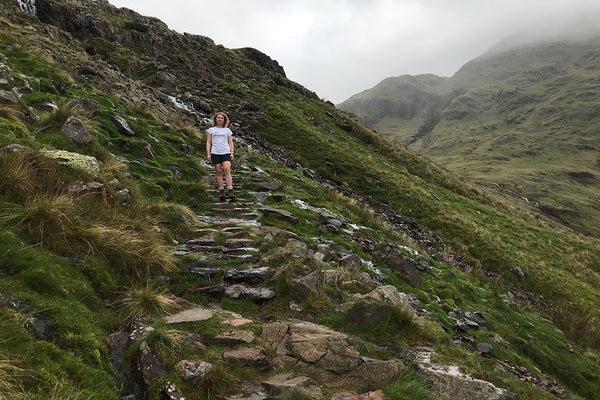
<point x="219" y="173"/>
<point x="227" y="170"/>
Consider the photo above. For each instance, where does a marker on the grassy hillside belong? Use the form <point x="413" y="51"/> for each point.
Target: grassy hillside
<point x="76" y="268"/>
<point x="521" y="122"/>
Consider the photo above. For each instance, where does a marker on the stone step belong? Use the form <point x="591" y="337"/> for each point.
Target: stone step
<point x="220" y="222"/>
<point x="198" y="248"/>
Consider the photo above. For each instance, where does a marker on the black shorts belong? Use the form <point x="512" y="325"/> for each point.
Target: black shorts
<point x="220" y="158"/>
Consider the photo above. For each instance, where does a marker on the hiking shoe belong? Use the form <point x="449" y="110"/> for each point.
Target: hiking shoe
<point x="222" y="194"/>
<point x="230" y="194"/>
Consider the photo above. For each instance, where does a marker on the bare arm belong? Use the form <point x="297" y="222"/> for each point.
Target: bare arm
<point x="208" y="145"/>
<point x="230" y="141"/>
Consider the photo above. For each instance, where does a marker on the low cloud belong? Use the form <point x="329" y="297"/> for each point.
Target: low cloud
<point x="338" y="48"/>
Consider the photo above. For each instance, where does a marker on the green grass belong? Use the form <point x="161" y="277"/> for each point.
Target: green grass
<point x="408" y="385"/>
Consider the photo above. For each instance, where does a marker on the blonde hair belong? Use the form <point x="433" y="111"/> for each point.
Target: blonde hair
<point x="214" y="119"/>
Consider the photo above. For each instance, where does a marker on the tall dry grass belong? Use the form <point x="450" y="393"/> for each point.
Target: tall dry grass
<point x="145" y="301"/>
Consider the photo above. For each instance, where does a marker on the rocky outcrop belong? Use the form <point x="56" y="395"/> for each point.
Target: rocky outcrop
<point x="331" y="355"/>
<point x="448" y="383"/>
<point x="75" y="160"/>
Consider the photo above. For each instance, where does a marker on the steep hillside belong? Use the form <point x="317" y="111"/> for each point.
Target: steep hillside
<point x="520" y="121"/>
<point x="347" y="267"/>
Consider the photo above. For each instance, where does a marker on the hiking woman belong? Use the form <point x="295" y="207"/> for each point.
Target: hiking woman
<point x="219" y="151"/>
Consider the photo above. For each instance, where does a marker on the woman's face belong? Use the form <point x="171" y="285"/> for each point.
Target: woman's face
<point x="220" y="119"/>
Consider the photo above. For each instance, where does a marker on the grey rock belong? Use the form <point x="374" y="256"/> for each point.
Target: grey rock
<point x="351" y="262"/>
<point x="88" y="107"/>
<point x="237" y="243"/>
<point x="250" y="275"/>
<point x="124" y="196"/>
<point x="190" y="315"/>
<point x="279" y="214"/>
<point x="6" y="81"/>
<point x="40" y="329"/>
<point x="193" y="371"/>
<point x="286" y="386"/>
<point x="260" y="197"/>
<point x="368" y="313"/>
<point x="187" y="149"/>
<point x="485" y="349"/>
<point x="519" y="273"/>
<point x="175" y="171"/>
<point x="170" y="392"/>
<point x="95" y="189"/>
<point x="232" y="338"/>
<point x="7" y="97"/>
<point x="149" y="366"/>
<point x="254" y="357"/>
<point x="308" y="285"/>
<point x="148" y="151"/>
<point x="75" y="132"/>
<point x="273" y="186"/>
<point x="122" y="125"/>
<point x="255" y="294"/>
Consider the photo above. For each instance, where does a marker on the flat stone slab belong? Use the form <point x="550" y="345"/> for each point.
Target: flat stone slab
<point x="232" y="338"/>
<point x="191" y="315"/>
<point x="237" y="322"/>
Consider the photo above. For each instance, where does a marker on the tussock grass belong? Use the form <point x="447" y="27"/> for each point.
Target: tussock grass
<point x="145" y="301"/>
<point x="11" y="375"/>
<point x="137" y="253"/>
<point x="163" y="341"/>
<point x="41" y="218"/>
<point x="56" y="118"/>
<point x="19" y="173"/>
<point x="579" y="321"/>
<point x="13" y="113"/>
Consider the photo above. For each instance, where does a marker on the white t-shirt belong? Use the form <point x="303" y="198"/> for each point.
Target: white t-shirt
<point x="220" y="145"/>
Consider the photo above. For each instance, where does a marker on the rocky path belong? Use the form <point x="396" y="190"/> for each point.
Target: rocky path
<point x="232" y="256"/>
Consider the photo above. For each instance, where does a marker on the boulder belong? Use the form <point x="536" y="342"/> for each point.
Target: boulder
<point x="193" y="371"/>
<point x="75" y="160"/>
<point x="279" y="214"/>
<point x="7" y="97"/>
<point x="287" y="386"/>
<point x="148" y="151"/>
<point x="351" y="262"/>
<point x="253" y="357"/>
<point x="273" y="186"/>
<point x="244" y="292"/>
<point x="447" y="382"/>
<point x="122" y="125"/>
<point x="365" y="313"/>
<point x="75" y="132"/>
<point x="232" y="338"/>
<point x="389" y="294"/>
<point x="95" y="189"/>
<point x="249" y="275"/>
<point x="88" y="107"/>
<point x="149" y="367"/>
<point x="308" y="285"/>
<point x="190" y="315"/>
<point x="170" y="392"/>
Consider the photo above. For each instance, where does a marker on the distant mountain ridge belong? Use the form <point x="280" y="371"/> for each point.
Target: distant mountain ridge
<point x="521" y="119"/>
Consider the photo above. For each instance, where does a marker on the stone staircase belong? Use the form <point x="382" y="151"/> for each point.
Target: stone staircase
<point x="225" y="253"/>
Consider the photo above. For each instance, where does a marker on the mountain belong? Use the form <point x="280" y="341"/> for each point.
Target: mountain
<point x="520" y="120"/>
<point x="347" y="266"/>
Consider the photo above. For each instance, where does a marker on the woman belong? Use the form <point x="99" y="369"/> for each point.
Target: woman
<point x="219" y="151"/>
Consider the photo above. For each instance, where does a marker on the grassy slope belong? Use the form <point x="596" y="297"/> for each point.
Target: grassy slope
<point x="526" y="120"/>
<point x="485" y="230"/>
<point x="489" y="233"/>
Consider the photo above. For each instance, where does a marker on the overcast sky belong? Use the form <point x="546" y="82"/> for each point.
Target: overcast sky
<point x="338" y="48"/>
